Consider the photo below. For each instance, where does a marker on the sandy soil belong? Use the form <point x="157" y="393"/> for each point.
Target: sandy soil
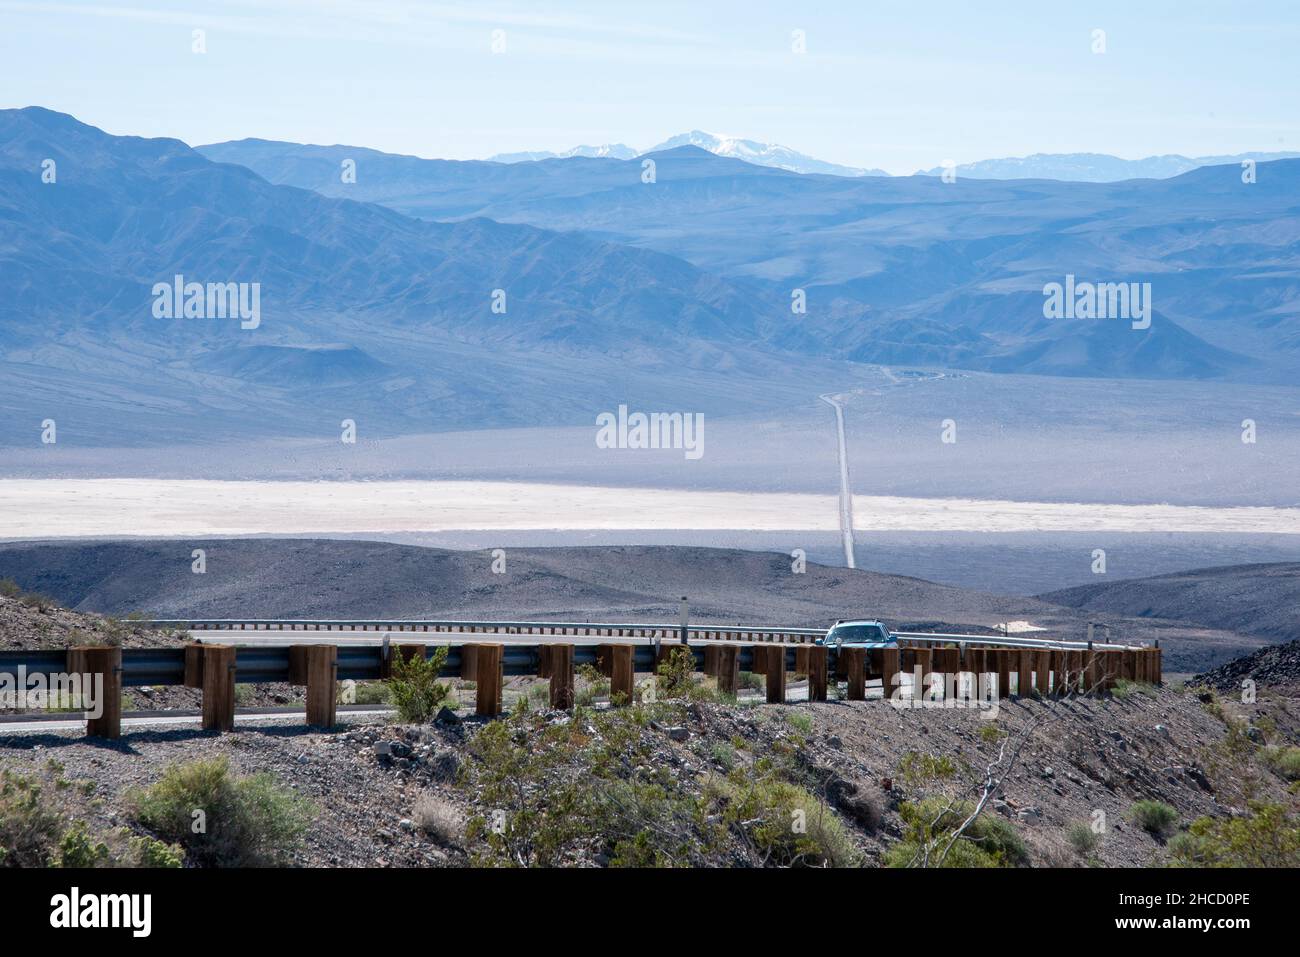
<point x="111" y="507"/>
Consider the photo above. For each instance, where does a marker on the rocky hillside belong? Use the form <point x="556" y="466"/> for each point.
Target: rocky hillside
<point x="1277" y="667"/>
<point x="1261" y="600"/>
<point x="698" y="781"/>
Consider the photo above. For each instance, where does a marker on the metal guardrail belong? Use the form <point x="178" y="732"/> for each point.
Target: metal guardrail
<point x="663" y="630"/>
<point x="265" y="664"/>
<point x="650" y="630"/>
<point x="1006" y="641"/>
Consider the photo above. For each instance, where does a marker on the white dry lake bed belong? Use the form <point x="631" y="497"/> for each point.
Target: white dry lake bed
<point x="57" y="508"/>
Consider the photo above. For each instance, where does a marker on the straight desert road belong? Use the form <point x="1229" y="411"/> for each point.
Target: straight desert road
<point x="58" y="508"/>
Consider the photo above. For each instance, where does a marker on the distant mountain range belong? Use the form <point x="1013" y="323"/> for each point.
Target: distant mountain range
<point x="751" y="151"/>
<point x="378" y="296"/>
<point x="1065" y="167"/>
<point x="1097" y="167"/>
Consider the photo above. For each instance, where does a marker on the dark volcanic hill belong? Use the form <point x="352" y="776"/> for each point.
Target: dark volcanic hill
<point x="1261" y="600"/>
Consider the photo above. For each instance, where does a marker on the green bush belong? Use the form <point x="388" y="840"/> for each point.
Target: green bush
<point x="1285" y="761"/>
<point x="1154" y="816"/>
<point x="372" y="692"/>
<point x="724" y="754"/>
<point x="416" y="690"/>
<point x="990" y="841"/>
<point x="221" y="819"/>
<point x="1082" y="838"/>
<point x="78" y="848"/>
<point x="918" y="769"/>
<point x="675" y="675"/>
<point x="801" y="721"/>
<point x="1268" y="837"/>
<point x="788" y="825"/>
<point x="28" y="827"/>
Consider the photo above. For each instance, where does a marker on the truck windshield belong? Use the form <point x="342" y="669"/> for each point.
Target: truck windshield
<point x="857" y="633"/>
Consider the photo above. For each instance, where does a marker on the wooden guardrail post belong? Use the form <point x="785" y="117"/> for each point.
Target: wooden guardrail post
<point x="855" y="667"/>
<point x="107" y="663"/>
<point x="889" y="669"/>
<point x="561" y="675"/>
<point x="1058" y="672"/>
<point x="605" y="660"/>
<point x="621" y="678"/>
<point x="1129" y="666"/>
<point x="711" y="660"/>
<point x="948" y="662"/>
<point x="193" y="677"/>
<point x="1024" y="672"/>
<point x="1074" y="664"/>
<point x="298" y="664"/>
<point x="759" y="658"/>
<point x="1092" y="672"/>
<point x="728" y="668"/>
<point x="469" y="662"/>
<point x="921" y="669"/>
<point x="801" y="660"/>
<point x="1043" y="670"/>
<point x="1002" y="658"/>
<point x="487" y="679"/>
<point x="322" y="675"/>
<point x="975" y="664"/>
<point x="775" y="675"/>
<point x="218" y="688"/>
<point x="816" y="664"/>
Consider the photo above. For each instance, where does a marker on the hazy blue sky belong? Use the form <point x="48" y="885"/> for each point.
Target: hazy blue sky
<point x="893" y="85"/>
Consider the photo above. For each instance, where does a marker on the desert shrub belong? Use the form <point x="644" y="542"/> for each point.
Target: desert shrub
<point x="1284" y="760"/>
<point x="591" y="685"/>
<point x="1268" y="837"/>
<point x="222" y="819"/>
<point x="372" y="692"/>
<point x="801" y="721"/>
<point x="28" y="826"/>
<point x="918" y="769"/>
<point x="440" y="819"/>
<point x="150" y="852"/>
<point x="788" y="825"/>
<point x="990" y="733"/>
<point x="1082" y="839"/>
<point x="723" y="754"/>
<point x="589" y="788"/>
<point x="675" y="675"/>
<point x="1154" y="816"/>
<point x="747" y="679"/>
<point x="415" y="688"/>
<point x="78" y="848"/>
<point x="1125" y="688"/>
<point x="990" y="841"/>
<point x="11" y="589"/>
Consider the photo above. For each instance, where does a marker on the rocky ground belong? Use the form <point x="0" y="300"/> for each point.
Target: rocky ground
<point x="1080" y="757"/>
